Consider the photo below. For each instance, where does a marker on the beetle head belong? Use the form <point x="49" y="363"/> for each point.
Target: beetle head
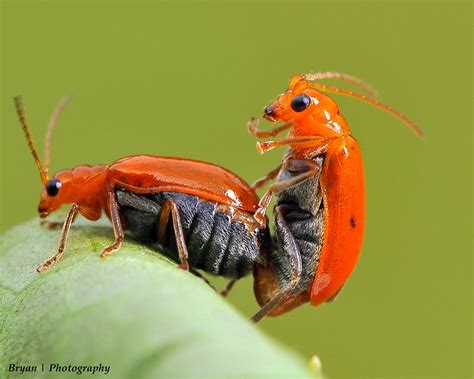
<point x="67" y="186"/>
<point x="56" y="192"/>
<point x="302" y="104"/>
<point x="83" y="185"/>
<point x="315" y="112"/>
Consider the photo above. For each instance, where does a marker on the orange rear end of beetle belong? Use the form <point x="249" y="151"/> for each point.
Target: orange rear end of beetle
<point x="320" y="193"/>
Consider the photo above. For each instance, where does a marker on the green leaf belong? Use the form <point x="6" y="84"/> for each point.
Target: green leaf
<point x="134" y="311"/>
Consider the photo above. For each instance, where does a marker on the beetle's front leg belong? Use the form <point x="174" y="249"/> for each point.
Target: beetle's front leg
<point x="62" y="242"/>
<point x="252" y="128"/>
<point x="230" y="284"/>
<point x="116" y="224"/>
<point x="319" y="143"/>
<point x="303" y="168"/>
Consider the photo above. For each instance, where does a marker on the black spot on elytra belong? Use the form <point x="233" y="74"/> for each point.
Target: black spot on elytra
<point x="353" y="222"/>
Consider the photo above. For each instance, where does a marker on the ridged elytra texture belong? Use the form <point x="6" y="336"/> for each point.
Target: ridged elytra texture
<point x="134" y="311"/>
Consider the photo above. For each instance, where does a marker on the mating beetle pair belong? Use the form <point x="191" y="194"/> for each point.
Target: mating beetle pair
<point x="208" y="218"/>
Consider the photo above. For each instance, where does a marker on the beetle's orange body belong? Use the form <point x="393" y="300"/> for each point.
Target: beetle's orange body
<point x="88" y="186"/>
<point x="342" y="185"/>
<point x="316" y="129"/>
<point x="148" y="174"/>
<point x="92" y="190"/>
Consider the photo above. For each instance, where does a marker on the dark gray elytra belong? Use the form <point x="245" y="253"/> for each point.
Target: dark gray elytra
<point x="216" y="244"/>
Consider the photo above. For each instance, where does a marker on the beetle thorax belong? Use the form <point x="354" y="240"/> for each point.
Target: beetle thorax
<point x="89" y="186"/>
<point x="321" y="122"/>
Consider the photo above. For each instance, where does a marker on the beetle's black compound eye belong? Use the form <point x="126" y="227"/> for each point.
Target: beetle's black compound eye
<point x="300" y="102"/>
<point x="53" y="186"/>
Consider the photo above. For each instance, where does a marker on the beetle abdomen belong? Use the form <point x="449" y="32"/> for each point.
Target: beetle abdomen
<point x="302" y="209"/>
<point x="217" y="242"/>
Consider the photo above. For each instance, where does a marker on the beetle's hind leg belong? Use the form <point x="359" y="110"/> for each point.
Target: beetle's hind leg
<point x="227" y="288"/>
<point x="224" y="292"/>
<point x="170" y="207"/>
<point x="295" y="267"/>
<point x="200" y="276"/>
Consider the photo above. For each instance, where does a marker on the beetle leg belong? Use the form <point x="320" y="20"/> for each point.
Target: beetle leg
<point x="230" y="284"/>
<point x="170" y="207"/>
<point x="62" y="242"/>
<point x="264" y="179"/>
<point x="200" y="276"/>
<point x="296" y="267"/>
<point x="252" y="127"/>
<point x="54" y="224"/>
<point x="51" y="224"/>
<point x="317" y="142"/>
<point x="305" y="169"/>
<point x="116" y="224"/>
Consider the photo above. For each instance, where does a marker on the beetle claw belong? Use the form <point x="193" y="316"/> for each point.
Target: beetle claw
<point x="260" y="147"/>
<point x="46" y="265"/>
<point x="184" y="266"/>
<point x="252" y="126"/>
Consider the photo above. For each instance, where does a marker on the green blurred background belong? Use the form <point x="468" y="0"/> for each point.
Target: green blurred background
<point x="182" y="79"/>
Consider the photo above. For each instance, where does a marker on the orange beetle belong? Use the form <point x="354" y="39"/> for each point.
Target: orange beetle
<point x="165" y="200"/>
<point x="320" y="146"/>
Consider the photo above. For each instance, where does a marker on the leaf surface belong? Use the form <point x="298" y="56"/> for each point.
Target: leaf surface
<point x="134" y="311"/>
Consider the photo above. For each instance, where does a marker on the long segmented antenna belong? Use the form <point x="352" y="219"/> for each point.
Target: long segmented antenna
<point x="49" y="132"/>
<point x="373" y="102"/>
<point x="347" y="78"/>
<point x="20" y="110"/>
